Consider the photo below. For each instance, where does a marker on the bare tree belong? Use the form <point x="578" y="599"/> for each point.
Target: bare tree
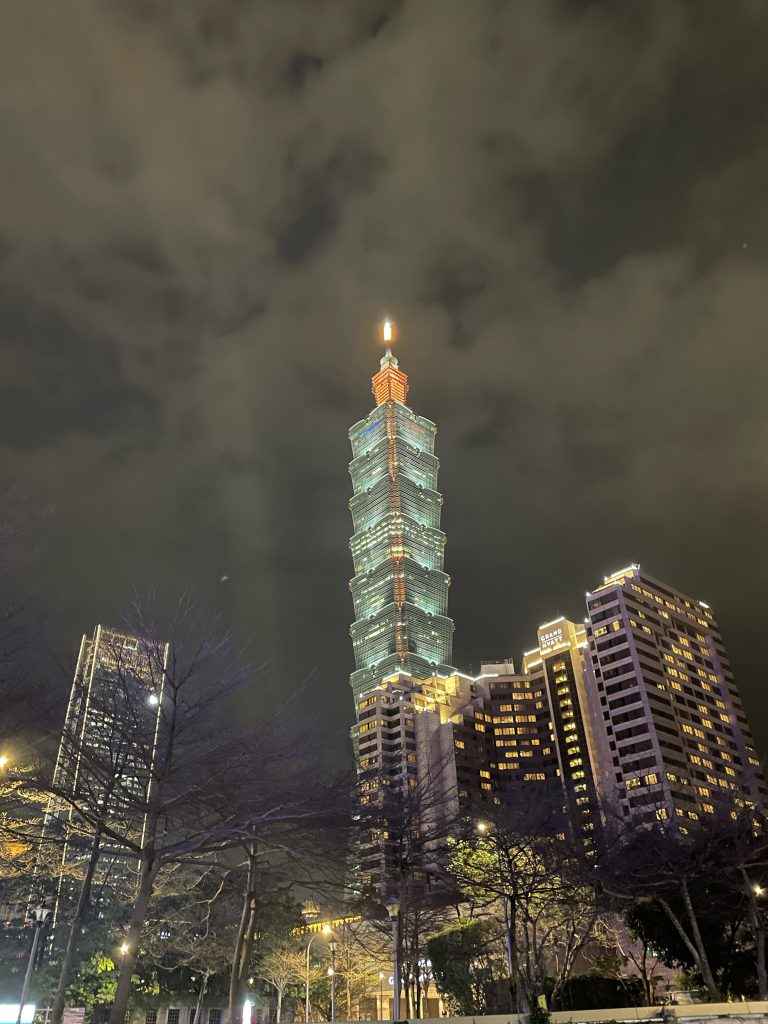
<point x="403" y="824"/>
<point x="518" y="863"/>
<point x="664" y="864"/>
<point x="190" y="785"/>
<point x="280" y="966"/>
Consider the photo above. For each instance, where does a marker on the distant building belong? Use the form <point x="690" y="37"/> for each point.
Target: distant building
<point x="105" y="758"/>
<point x="674" y="738"/>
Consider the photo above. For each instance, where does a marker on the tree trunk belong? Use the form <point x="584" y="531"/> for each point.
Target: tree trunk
<point x="762" y="973"/>
<point x="706" y="970"/>
<point x="511" y="967"/>
<point x="645" y="974"/>
<point x="68" y="963"/>
<point x="279" y="1005"/>
<point x="147" y="877"/>
<point x="201" y="996"/>
<point x="243" y="943"/>
<point x="694" y="946"/>
<point x="521" y="1001"/>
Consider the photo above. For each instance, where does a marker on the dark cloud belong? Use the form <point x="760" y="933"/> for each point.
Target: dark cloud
<point x="205" y="205"/>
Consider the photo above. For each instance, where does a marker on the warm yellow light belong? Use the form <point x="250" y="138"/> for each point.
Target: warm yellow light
<point x="124" y="948"/>
<point x="758" y="890"/>
<point x="327" y="929"/>
<point x="482" y="826"/>
<point x="388" y="331"/>
<point x="3" y="760"/>
<point x="331" y="972"/>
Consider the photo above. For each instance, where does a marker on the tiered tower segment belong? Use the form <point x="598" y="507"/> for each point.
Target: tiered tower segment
<point x="399" y="590"/>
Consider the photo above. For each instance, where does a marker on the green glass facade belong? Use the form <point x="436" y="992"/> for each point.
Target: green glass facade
<point x="399" y="590"/>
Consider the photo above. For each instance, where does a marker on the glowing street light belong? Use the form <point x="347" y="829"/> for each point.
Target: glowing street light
<point x="310" y="910"/>
<point x="123" y="948"/>
<point x="758" y="890"/>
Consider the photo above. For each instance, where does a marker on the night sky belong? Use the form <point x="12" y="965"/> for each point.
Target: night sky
<point x="205" y="207"/>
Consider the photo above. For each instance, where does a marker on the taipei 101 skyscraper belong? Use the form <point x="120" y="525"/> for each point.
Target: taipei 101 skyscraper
<point x="399" y="589"/>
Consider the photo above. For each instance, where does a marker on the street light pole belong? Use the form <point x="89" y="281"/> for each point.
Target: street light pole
<point x="332" y="947"/>
<point x="306" y="989"/>
<point x="326" y="930"/>
<point x="39" y="917"/>
<point x="381" y="995"/>
<point x="393" y="909"/>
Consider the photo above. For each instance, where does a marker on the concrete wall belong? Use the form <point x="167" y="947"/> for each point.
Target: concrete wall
<point x="691" y="1013"/>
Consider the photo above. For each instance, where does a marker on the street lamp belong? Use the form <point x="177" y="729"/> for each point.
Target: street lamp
<point x="758" y="890"/>
<point x="332" y="973"/>
<point x="381" y="995"/>
<point x="393" y="909"/>
<point x="3" y="760"/>
<point x="39" y="917"/>
<point x="325" y="930"/>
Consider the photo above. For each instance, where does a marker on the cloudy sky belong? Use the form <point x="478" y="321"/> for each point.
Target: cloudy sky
<point x="206" y="205"/>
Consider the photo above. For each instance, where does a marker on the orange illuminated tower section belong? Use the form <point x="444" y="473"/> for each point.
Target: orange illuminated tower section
<point x="400" y="591"/>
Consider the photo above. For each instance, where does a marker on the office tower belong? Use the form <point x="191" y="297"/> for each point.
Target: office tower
<point x="674" y="738"/>
<point x="104" y="759"/>
<point x="399" y="590"/>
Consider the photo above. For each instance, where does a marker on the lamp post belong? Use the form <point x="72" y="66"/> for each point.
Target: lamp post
<point x="381" y="995"/>
<point x="393" y="909"/>
<point x="326" y="930"/>
<point x="39" y="918"/>
<point x="332" y="972"/>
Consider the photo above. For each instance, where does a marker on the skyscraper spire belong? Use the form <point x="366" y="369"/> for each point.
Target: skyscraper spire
<point x="400" y="591"/>
<point x="390" y="384"/>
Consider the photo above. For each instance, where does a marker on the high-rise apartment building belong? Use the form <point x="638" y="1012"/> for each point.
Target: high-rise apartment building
<point x="673" y="739"/>
<point x="105" y="756"/>
<point x="399" y="590"/>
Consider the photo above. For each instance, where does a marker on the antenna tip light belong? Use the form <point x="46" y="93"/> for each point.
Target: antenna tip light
<point x="388" y="330"/>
